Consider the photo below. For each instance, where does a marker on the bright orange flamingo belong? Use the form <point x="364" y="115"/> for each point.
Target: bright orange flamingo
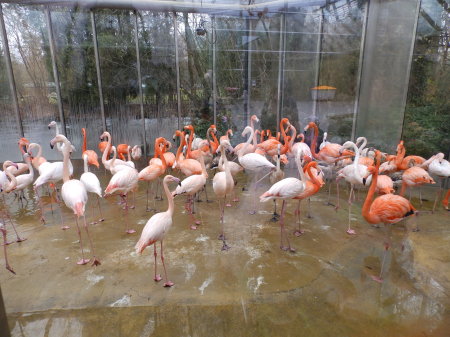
<point x="388" y="209"/>
<point x="312" y="186"/>
<point x="91" y="155"/>
<point x="385" y="185"/>
<point x="156" y="169"/>
<point x="415" y="176"/>
<point x="122" y="150"/>
<point x="187" y="166"/>
<point x="203" y="145"/>
<point x="269" y="147"/>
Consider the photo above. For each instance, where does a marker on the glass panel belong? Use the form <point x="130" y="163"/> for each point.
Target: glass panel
<point x="76" y="66"/>
<point x="389" y="38"/>
<point x="426" y="128"/>
<point x="159" y="77"/>
<point x="195" y="70"/>
<point x="30" y="53"/>
<point x="8" y="123"/>
<point x="117" y="50"/>
<point x="341" y="42"/>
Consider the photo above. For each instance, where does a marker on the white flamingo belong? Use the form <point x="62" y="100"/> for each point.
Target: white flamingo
<point x="156" y="228"/>
<point x="92" y="185"/>
<point x="37" y="160"/>
<point x="440" y="167"/>
<point x="24" y="180"/>
<point x="286" y="188"/>
<point x="223" y="185"/>
<point x="75" y="197"/>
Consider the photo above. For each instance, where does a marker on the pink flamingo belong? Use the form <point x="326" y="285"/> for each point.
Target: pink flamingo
<point x="21" y="167"/>
<point x="415" y="176"/>
<point x="75" y="197"/>
<point x="187" y="166"/>
<point x="246" y="147"/>
<point x="92" y="155"/>
<point x="38" y="160"/>
<point x="227" y="135"/>
<point x="136" y="152"/>
<point x="388" y="209"/>
<point x="385" y="185"/>
<point x="223" y="185"/>
<point x="440" y="167"/>
<point x="191" y="185"/>
<point x="5" y="243"/>
<point x="156" y="228"/>
<point x="287" y="188"/>
<point x="92" y="185"/>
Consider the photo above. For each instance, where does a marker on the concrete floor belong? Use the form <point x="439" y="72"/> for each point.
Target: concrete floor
<point x="254" y="289"/>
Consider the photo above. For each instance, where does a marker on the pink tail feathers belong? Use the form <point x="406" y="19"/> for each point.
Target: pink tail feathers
<point x="109" y="189"/>
<point x="79" y="209"/>
<point x="142" y="244"/>
<point x="265" y="197"/>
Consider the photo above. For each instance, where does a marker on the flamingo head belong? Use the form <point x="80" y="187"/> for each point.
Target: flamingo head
<point x="254" y="118"/>
<point x="105" y="135"/>
<point x="247" y="130"/>
<point x="59" y="139"/>
<point x="189" y="127"/>
<point x="52" y="124"/>
<point x="168" y="178"/>
<point x="310" y="125"/>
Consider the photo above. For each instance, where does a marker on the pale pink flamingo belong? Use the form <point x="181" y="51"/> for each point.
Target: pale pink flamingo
<point x="190" y="186"/>
<point x="107" y="151"/>
<point x="235" y="168"/>
<point x="122" y="183"/>
<point x="75" y="197"/>
<point x="187" y="166"/>
<point x="24" y="180"/>
<point x="276" y="176"/>
<point x="156" y="228"/>
<point x="223" y="185"/>
<point x="388" y="209"/>
<point x="136" y="152"/>
<point x="286" y="188"/>
<point x="22" y="167"/>
<point x="440" y="167"/>
<point x="356" y="175"/>
<point x="312" y="186"/>
<point x="227" y="135"/>
<point x="6" y="186"/>
<point x="92" y="185"/>
<point x="246" y="147"/>
<point x="92" y="155"/>
<point x="37" y="160"/>
<point x="55" y="125"/>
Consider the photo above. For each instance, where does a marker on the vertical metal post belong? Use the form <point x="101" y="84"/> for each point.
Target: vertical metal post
<point x="141" y="94"/>
<point x="97" y="67"/>
<point x="9" y="69"/>
<point x="248" y="72"/>
<point x="281" y="59"/>
<point x="177" y="66"/>
<point x="360" y="65"/>
<point x="55" y="69"/>
<point x="318" y="59"/>
<point x="214" y="84"/>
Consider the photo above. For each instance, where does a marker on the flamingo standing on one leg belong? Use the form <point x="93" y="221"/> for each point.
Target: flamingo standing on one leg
<point x="223" y="185"/>
<point x="388" y="209"/>
<point x="92" y="185"/>
<point x="191" y="185"/>
<point x="92" y="155"/>
<point x="287" y="188"/>
<point x="75" y="197"/>
<point x="156" y="228"/>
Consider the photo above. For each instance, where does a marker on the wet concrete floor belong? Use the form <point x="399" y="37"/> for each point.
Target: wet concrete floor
<point x="254" y="289"/>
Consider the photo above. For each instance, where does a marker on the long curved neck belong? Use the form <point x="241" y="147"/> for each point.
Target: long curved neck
<point x="21" y="149"/>
<point x="312" y="176"/>
<point x="368" y="202"/>
<point x="400" y="155"/>
<point x="214" y="138"/>
<point x="283" y="132"/>
<point x="363" y="145"/>
<point x="300" y="169"/>
<point x="191" y="138"/>
<point x="209" y="139"/>
<point x="356" y="161"/>
<point x="30" y="167"/>
<point x="58" y="145"/>
<point x="294" y="134"/>
<point x="66" y="174"/>
<point x="180" y="148"/>
<point x="85" y="164"/>
<point x="12" y="184"/>
<point x="163" y="159"/>
<point x="228" y="176"/>
<point x="107" y="149"/>
<point x="314" y="141"/>
<point x="113" y="160"/>
<point x="169" y="197"/>
<point x="247" y="143"/>
<point x="84" y="140"/>
<point x="202" y="163"/>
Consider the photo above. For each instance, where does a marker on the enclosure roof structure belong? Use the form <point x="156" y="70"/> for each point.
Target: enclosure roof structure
<point x="228" y="7"/>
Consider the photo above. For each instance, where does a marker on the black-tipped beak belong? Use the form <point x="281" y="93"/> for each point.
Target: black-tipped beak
<point x="179" y="183"/>
<point x="49" y="127"/>
<point x="51" y="145"/>
<point x="364" y="181"/>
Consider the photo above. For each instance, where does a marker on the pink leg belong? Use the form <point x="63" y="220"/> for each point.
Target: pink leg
<point x="157" y="277"/>
<point x="275" y="214"/>
<point x="283" y="209"/>
<point x="379" y="278"/>
<point x="167" y="283"/>
<point x="222" y="236"/>
<point x="83" y="260"/>
<point x="337" y="194"/>
<point x="19" y="239"/>
<point x="127" y="229"/>
<point x="235" y="198"/>
<point x="40" y="205"/>
<point x="100" y="209"/>
<point x="299" y="231"/>
<point x="95" y="261"/>
<point x="349" y="229"/>
<point x="191" y="203"/>
<point x="5" y="243"/>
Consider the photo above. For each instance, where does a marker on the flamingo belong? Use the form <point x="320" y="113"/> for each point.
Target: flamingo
<point x="156" y="228"/>
<point x="415" y="176"/>
<point x="24" y="180"/>
<point x="227" y="135"/>
<point x="355" y="174"/>
<point x="187" y="166"/>
<point x="7" y="186"/>
<point x="312" y="186"/>
<point x="223" y="185"/>
<point x="116" y="165"/>
<point x="122" y="183"/>
<point x="246" y="146"/>
<point x="286" y="188"/>
<point x="269" y="146"/>
<point x="5" y="253"/>
<point x="38" y="159"/>
<point x="253" y="162"/>
<point x="385" y="185"/>
<point x="122" y="150"/>
<point x="203" y="148"/>
<point x="156" y="169"/>
<point x="364" y="159"/>
<point x="445" y="200"/>
<point x="136" y="152"/>
<point x="92" y="155"/>
<point x="55" y="125"/>
<point x="107" y="151"/>
<point x="191" y="185"/>
<point x="75" y="197"/>
<point x="276" y="176"/>
<point x="302" y="146"/>
<point x="440" y="167"/>
<point x="235" y="168"/>
<point x="388" y="209"/>
<point x="22" y="167"/>
<point x="92" y="185"/>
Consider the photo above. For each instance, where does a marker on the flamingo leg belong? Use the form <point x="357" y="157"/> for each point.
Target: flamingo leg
<point x="253" y="188"/>
<point x="58" y="200"/>
<point x="337" y="195"/>
<point x="4" y="224"/>
<point x="5" y="243"/>
<point x="283" y="232"/>
<point x="83" y="260"/>
<point x="134" y="200"/>
<point x="191" y="213"/>
<point x="349" y="229"/>
<point x="299" y="231"/>
<point x="222" y="236"/>
<point x="309" y="209"/>
<point x="157" y="277"/>
<point x="19" y="239"/>
<point x="379" y="278"/>
<point x="420" y="196"/>
<point x="95" y="261"/>
<point x="148" y="185"/>
<point x="100" y="209"/>
<point x="167" y="283"/>
<point x="127" y="229"/>
<point x="438" y="194"/>
<point x="275" y="214"/>
<point x="329" y="195"/>
<point x="40" y="205"/>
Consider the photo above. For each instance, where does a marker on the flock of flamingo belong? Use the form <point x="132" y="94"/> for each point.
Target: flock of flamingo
<point x="260" y="158"/>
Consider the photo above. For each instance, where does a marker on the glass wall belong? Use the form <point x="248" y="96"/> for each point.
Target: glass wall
<point x="426" y="128"/>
